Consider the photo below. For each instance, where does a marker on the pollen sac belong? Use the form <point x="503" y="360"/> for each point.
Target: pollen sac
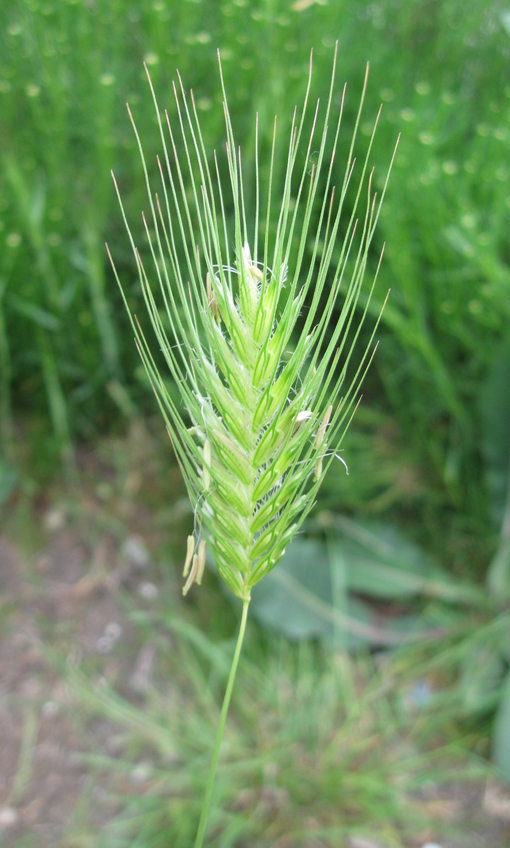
<point x="317" y="471"/>
<point x="202" y="547"/>
<point x="191" y="577"/>
<point x="212" y="301"/>
<point x="321" y="432"/>
<point x="190" y="550"/>
<point x="249" y="282"/>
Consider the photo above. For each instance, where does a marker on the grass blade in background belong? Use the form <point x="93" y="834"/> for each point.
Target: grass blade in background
<point x="6" y="426"/>
<point x="501" y="732"/>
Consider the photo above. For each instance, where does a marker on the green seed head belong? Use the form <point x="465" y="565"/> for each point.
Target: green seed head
<point x="264" y="422"/>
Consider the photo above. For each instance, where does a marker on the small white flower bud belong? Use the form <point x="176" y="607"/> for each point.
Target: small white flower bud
<point x="301" y="416"/>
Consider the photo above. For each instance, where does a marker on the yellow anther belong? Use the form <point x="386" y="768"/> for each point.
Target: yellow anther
<point x="201" y="561"/>
<point x="192" y="575"/>
<point x="211" y="298"/>
<point x="318" y="471"/>
<point x="256" y="272"/>
<point x="189" y="555"/>
<point x="321" y="432"/>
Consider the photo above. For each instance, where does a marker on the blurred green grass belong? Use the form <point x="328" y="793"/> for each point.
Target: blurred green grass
<point x="319" y="750"/>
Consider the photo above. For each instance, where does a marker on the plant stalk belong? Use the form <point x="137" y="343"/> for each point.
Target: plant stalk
<point x="221" y="726"/>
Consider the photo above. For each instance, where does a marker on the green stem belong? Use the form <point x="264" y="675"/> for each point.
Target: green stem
<point x="221" y="726"/>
